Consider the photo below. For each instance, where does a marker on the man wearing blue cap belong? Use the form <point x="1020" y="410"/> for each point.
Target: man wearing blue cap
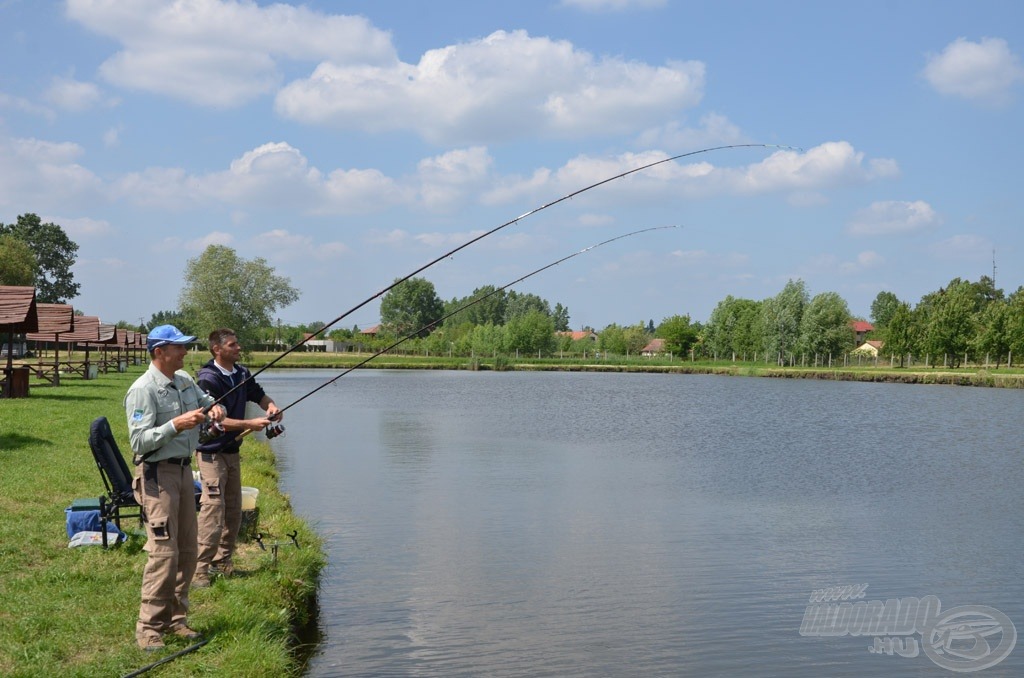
<point x="165" y="408"/>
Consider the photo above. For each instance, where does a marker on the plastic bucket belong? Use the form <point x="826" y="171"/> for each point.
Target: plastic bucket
<point x="249" y="496"/>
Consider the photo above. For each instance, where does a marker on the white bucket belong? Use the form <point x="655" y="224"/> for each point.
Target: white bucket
<point x="249" y="495"/>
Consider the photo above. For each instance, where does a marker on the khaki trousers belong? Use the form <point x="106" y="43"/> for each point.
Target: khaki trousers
<point x="220" y="515"/>
<point x="166" y="492"/>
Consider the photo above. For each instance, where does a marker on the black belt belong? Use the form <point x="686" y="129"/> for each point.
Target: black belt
<point x="177" y="461"/>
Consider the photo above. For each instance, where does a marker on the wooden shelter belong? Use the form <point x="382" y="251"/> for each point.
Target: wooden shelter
<point x="18" y="315"/>
<point x="87" y="329"/>
<point x="54" y="320"/>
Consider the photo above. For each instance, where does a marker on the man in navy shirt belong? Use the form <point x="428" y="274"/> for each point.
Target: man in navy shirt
<point x="219" y="466"/>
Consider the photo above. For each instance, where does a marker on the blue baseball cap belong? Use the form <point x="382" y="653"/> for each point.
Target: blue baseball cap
<point x="166" y="334"/>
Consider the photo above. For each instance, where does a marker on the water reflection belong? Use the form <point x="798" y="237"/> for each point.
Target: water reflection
<point x="580" y="524"/>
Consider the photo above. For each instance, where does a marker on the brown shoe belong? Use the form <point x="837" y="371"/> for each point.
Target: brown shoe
<point x="201" y="580"/>
<point x="185" y="632"/>
<point x="150" y="641"/>
<point x="224" y="567"/>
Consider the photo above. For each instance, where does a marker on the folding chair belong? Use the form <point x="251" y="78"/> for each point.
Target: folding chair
<point x="119" y="501"/>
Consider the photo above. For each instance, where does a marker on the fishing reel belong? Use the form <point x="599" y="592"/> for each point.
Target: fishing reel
<point x="273" y="430"/>
<point x="210" y="430"/>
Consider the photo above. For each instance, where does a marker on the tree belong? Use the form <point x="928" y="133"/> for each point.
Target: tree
<point x="410" y="306"/>
<point x="170" y="318"/>
<point x="882" y="308"/>
<point x="223" y="290"/>
<point x="678" y="333"/>
<point x="993" y="339"/>
<point x="781" y="317"/>
<point x="950" y="319"/>
<point x="530" y="333"/>
<point x="491" y="308"/>
<point x="17" y="262"/>
<point x="734" y="328"/>
<point x="561" y="318"/>
<point x="522" y="304"/>
<point x="55" y="255"/>
<point x="899" y="332"/>
<point x="825" y="326"/>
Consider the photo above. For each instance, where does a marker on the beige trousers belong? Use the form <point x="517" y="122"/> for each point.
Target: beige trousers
<point x="166" y="492"/>
<point x="220" y="515"/>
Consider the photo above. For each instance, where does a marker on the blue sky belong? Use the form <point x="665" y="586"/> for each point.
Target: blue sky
<point x="349" y="143"/>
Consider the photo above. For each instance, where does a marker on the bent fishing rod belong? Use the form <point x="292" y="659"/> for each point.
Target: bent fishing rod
<point x="451" y="252"/>
<point x="276" y="429"/>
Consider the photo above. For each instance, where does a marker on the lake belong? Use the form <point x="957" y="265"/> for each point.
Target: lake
<point x="583" y="524"/>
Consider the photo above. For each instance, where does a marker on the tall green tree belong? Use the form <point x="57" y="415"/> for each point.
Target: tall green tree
<point x="825" y="326"/>
<point x="882" y="308"/>
<point x="17" y="262"/>
<point x="530" y="333"/>
<point x="491" y="308"/>
<point x="561" y="317"/>
<point x="679" y="334"/>
<point x="899" y="333"/>
<point x="734" y="328"/>
<point x="55" y="255"/>
<point x="520" y="304"/>
<point x="410" y="306"/>
<point x="993" y="337"/>
<point x="780" y="319"/>
<point x="224" y="290"/>
<point x="950" y="320"/>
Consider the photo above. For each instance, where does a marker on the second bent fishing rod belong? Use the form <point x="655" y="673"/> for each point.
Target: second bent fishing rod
<point x="278" y="429"/>
<point x="469" y="242"/>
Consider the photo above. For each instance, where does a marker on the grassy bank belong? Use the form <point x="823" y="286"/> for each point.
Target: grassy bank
<point x="965" y="376"/>
<point x="72" y="611"/>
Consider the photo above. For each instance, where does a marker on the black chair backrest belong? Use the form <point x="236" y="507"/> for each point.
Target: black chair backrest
<point x="114" y="469"/>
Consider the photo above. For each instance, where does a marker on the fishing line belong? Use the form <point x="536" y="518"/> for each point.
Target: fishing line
<point x="456" y="311"/>
<point x="469" y="242"/>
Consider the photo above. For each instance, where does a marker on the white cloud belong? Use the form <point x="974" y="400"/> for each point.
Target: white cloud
<point x="983" y="71"/>
<point x="23" y="105"/>
<point x="446" y="179"/>
<point x="211" y="238"/>
<point x="283" y="245"/>
<point x="826" y="166"/>
<point x="44" y="174"/>
<point x="503" y="86"/>
<point x="714" y="130"/>
<point x="867" y="259"/>
<point x="221" y="53"/>
<point x="82" y="227"/>
<point x="73" y="95"/>
<point x="893" y="217"/>
<point x="967" y="247"/>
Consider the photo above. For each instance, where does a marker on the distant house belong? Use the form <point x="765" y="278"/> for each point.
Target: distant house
<point x="861" y="329"/>
<point x="870" y="347"/>
<point x="578" y="336"/>
<point x="371" y="331"/>
<point x="656" y="347"/>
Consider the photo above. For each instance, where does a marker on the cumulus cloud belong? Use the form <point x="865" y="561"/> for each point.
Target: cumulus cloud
<point x="714" y="130"/>
<point x="865" y="260"/>
<point x="221" y="53"/>
<point x="966" y="247"/>
<point x="893" y="217"/>
<point x="983" y="71"/>
<point x="502" y="86"/>
<point x="22" y="105"/>
<point x="43" y="173"/>
<point x="826" y="166"/>
<point x="286" y="246"/>
<point x="82" y="227"/>
<point x="272" y="175"/>
<point x="446" y="179"/>
<point x="73" y="95"/>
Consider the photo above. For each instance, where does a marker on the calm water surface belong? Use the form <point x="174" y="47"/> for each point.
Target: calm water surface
<point x="562" y="524"/>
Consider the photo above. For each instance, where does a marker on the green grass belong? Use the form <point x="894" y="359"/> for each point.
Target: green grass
<point x="72" y="612"/>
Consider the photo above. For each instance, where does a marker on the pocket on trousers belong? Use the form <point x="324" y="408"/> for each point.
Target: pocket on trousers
<point x="158" y="528"/>
<point x="212" y="487"/>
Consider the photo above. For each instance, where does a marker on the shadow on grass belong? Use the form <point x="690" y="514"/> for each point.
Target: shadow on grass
<point x="14" y="441"/>
<point x="65" y="397"/>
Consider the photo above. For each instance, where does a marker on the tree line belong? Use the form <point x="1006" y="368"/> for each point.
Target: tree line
<point x="961" y="321"/>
